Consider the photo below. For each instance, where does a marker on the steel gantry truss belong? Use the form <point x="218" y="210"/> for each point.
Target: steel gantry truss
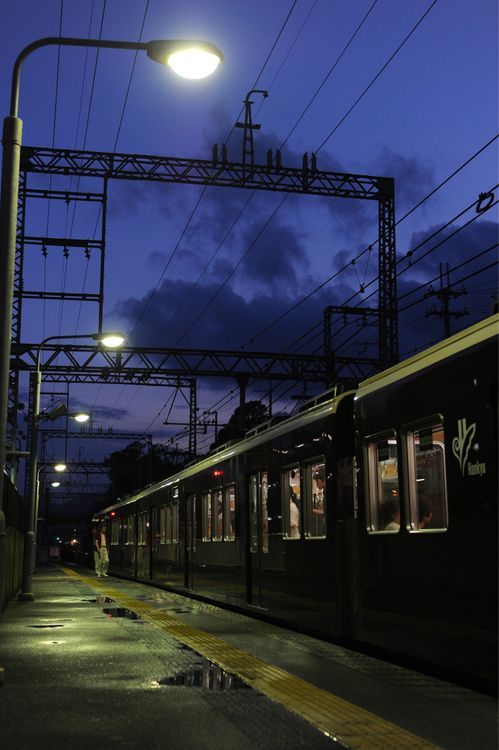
<point x="157" y="367"/>
<point x="66" y="363"/>
<point x="272" y="176"/>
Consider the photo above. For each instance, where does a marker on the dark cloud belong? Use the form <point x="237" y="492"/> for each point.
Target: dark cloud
<point x="413" y="176"/>
<point x="229" y="322"/>
<point x="277" y="259"/>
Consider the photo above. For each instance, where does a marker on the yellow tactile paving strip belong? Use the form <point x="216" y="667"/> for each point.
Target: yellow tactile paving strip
<point x="355" y="727"/>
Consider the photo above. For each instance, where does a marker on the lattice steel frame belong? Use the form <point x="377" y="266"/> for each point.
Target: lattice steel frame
<point x="270" y="177"/>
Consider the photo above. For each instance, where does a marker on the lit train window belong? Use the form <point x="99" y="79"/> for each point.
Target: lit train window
<point x="162" y="524"/>
<point x="258" y="512"/>
<point x="383" y="495"/>
<point x="217" y="520"/>
<point x="129" y="527"/>
<point x="229" y="513"/>
<point x="115" y="531"/>
<point x="264" y="510"/>
<point x="206" y="516"/>
<point x="253" y="512"/>
<point x="426" y="474"/>
<point x="292" y="507"/>
<point x="143" y="527"/>
<point x="314" y="500"/>
<point x="175" y="520"/>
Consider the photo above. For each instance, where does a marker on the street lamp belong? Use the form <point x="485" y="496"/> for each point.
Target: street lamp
<point x="110" y="341"/>
<point x="165" y="51"/>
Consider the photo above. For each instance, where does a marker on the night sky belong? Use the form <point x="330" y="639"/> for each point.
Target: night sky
<point x="402" y="88"/>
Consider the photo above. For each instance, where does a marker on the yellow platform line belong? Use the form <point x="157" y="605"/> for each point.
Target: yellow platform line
<point x="339" y="719"/>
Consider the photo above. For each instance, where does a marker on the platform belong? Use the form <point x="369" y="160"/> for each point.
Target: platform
<point x="114" y="663"/>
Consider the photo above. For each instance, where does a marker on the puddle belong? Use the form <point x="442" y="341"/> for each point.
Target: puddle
<point x="208" y="676"/>
<point x="44" y="626"/>
<point x="99" y="600"/>
<point x="121" y="612"/>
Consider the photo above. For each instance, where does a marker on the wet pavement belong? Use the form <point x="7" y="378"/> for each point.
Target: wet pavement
<point x="87" y="668"/>
<point x="79" y="674"/>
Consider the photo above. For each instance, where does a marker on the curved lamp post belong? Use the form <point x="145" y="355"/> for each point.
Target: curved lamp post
<point x="174" y="53"/>
<point x="108" y="340"/>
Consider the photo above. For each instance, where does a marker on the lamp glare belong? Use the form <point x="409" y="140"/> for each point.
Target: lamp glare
<point x="60" y="467"/>
<point x="112" y="340"/>
<point x="193" y="62"/>
<point x="81" y="417"/>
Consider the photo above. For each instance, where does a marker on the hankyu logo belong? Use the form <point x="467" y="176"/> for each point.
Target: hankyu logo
<point x="462" y="443"/>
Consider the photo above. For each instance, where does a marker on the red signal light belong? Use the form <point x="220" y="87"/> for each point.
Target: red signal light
<point x="217" y="473"/>
<point x="113" y="513"/>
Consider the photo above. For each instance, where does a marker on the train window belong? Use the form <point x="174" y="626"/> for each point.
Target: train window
<point x="130" y="530"/>
<point x="291" y="491"/>
<point x="162" y="524"/>
<point x="217" y="520"/>
<point x="314" y="500"/>
<point x="143" y="526"/>
<point x="175" y="520"/>
<point x="426" y="473"/>
<point x="169" y="525"/>
<point x="115" y="531"/>
<point x="264" y="494"/>
<point x="383" y="485"/>
<point x="229" y="513"/>
<point x="206" y="516"/>
<point x="253" y="512"/>
<point x="191" y="522"/>
<point x="258" y="511"/>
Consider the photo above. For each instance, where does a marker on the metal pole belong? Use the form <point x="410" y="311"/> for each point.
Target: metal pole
<point x="12" y="137"/>
<point x="29" y="556"/>
<point x="26" y="593"/>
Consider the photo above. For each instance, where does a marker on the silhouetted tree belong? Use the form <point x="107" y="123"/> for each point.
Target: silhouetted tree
<point x="253" y="413"/>
<point x="135" y="466"/>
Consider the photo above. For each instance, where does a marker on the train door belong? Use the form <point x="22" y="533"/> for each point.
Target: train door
<point x="153" y="540"/>
<point x="190" y="540"/>
<point x="258" y="534"/>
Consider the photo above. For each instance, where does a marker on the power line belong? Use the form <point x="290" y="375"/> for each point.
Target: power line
<point x="378" y="74"/>
<point x="328" y="74"/>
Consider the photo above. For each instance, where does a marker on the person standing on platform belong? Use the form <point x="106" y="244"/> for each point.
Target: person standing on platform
<point x="101" y="556"/>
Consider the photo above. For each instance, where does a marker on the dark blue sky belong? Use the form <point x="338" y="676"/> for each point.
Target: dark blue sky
<point x="421" y="118"/>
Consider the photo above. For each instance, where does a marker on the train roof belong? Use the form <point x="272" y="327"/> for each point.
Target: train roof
<point x="475" y="334"/>
<point x="253" y="438"/>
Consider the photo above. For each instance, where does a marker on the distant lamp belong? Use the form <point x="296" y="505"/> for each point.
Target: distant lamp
<point x="187" y="58"/>
<point x="60" y="467"/>
<point x="55" y="484"/>
<point x="110" y="340"/>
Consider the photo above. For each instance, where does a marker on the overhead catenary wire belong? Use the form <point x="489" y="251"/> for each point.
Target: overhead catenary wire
<point x="420" y="244"/>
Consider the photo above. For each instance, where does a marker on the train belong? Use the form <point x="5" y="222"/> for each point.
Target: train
<point x="368" y="518"/>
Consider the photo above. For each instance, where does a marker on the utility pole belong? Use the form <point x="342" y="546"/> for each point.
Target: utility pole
<point x="445" y="294"/>
<point x="249" y="127"/>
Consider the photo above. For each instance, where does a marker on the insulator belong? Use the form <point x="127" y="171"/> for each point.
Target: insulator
<point x="214" y="156"/>
<point x="224" y="153"/>
<point x="65" y="252"/>
<point x="485" y="200"/>
<point x="269" y="159"/>
<point x="313" y="165"/>
<point x="278" y="159"/>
